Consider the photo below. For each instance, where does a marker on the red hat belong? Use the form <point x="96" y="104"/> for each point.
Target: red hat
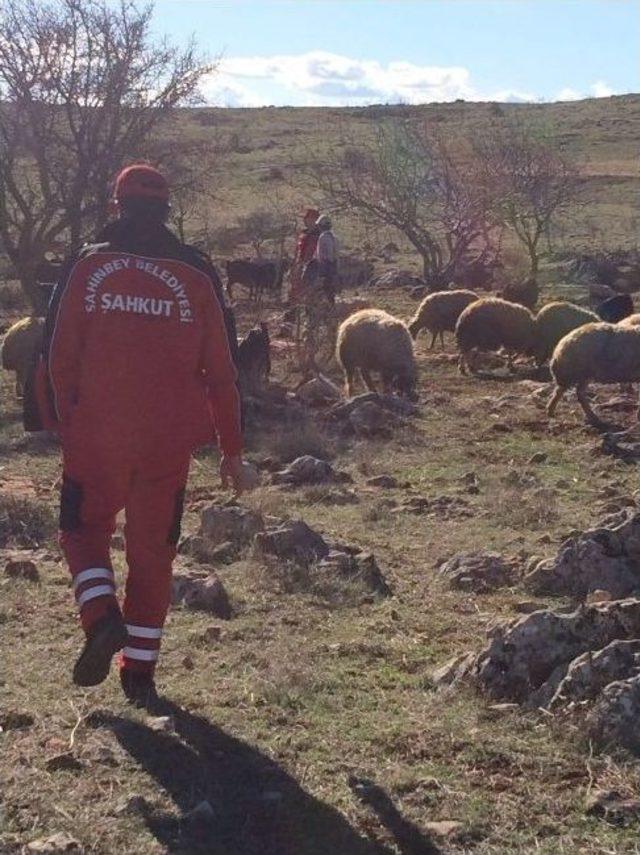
<point x="141" y="181"/>
<point x="311" y="212"/>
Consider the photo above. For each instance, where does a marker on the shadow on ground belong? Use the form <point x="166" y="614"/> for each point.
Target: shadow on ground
<point x="407" y="836"/>
<point x="256" y="807"/>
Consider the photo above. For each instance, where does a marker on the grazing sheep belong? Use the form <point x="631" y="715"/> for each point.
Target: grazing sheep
<point x="439" y="312"/>
<point x="523" y="293"/>
<point x="19" y="348"/>
<point x="600" y="353"/>
<point x="372" y="340"/>
<point x="615" y="309"/>
<point x="491" y="324"/>
<point x="553" y="322"/>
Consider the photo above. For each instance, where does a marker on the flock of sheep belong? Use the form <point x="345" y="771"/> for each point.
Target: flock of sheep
<point x="579" y="346"/>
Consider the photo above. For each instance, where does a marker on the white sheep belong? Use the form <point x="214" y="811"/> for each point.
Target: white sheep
<point x="19" y="349"/>
<point x="438" y="313"/>
<point x="491" y="324"/>
<point x="374" y="341"/>
<point x="595" y="353"/>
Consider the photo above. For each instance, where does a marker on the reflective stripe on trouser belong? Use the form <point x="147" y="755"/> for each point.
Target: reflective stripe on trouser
<point x="143" y="647"/>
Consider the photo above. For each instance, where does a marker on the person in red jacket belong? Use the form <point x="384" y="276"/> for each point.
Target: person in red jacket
<point x="136" y="371"/>
<point x="305" y="250"/>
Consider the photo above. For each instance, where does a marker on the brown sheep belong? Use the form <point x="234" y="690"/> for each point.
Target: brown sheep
<point x="600" y="353"/>
<point x="491" y="324"/>
<point x="553" y="322"/>
<point x="372" y="340"/>
<point x="19" y="348"/>
<point x="438" y="313"/>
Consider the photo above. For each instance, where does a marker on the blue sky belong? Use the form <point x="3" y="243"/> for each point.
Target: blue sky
<point x="316" y="52"/>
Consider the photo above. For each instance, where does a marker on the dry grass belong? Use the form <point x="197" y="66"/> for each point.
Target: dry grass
<point x="308" y="691"/>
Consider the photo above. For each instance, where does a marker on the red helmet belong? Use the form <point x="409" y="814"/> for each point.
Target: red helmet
<point x="141" y="181"/>
<point x="311" y="212"/>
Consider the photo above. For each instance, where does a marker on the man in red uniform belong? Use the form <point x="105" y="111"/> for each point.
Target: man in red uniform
<point x="136" y="372"/>
<point x="305" y="250"/>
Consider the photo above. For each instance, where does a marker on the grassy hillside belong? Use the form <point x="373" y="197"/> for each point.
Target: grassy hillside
<point x="280" y="712"/>
<point x="602" y="135"/>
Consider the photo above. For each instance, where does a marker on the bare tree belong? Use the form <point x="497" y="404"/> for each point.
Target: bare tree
<point x="529" y="179"/>
<point x="416" y="181"/>
<point x="264" y="225"/>
<point x="82" y="86"/>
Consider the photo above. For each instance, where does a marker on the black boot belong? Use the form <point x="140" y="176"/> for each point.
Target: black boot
<point x="140" y="689"/>
<point x="107" y="636"/>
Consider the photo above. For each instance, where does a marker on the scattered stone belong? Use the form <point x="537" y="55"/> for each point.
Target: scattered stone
<point x="615" y="718"/>
<point x="445" y="828"/>
<point x="384" y="481"/>
<point x="526" y="661"/>
<point x="611" y="806"/>
<point x="538" y="457"/>
<point x="13" y="720"/>
<point x="212" y="634"/>
<point x="17" y="568"/>
<point x="371" y="414"/>
<point x="65" y="762"/>
<point x="605" y="558"/>
<point x="161" y="723"/>
<point x="453" y="671"/>
<point x="588" y="674"/>
<point x="54" y="844"/>
<point x="307" y="470"/>
<point x="223" y="523"/>
<point x="338" y="497"/>
<point x="446" y="507"/>
<point x="292" y="541"/>
<point x="202" y="551"/>
<point x="318" y="392"/>
<point x="478" y="571"/>
<point x="201" y="592"/>
<point x="369" y="420"/>
<point x="527" y="607"/>
<point x="360" y="568"/>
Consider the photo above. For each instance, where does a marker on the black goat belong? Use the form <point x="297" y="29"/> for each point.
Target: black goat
<point x="258" y="276"/>
<point x="254" y="359"/>
<point x="616" y="308"/>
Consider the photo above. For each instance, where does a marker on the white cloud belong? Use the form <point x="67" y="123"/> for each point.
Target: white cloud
<point x="569" y="94"/>
<point x="320" y="78"/>
<point x="600" y="89"/>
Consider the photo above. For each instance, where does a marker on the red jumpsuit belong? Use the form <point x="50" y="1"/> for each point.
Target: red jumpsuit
<point x="305" y="250"/>
<point x="138" y="373"/>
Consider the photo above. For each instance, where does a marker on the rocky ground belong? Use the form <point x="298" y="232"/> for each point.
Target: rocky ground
<point x="420" y="634"/>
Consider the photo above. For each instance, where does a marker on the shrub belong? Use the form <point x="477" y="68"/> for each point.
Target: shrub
<point x="25" y="522"/>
